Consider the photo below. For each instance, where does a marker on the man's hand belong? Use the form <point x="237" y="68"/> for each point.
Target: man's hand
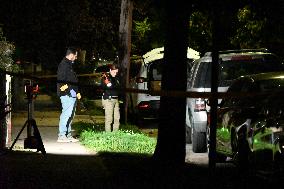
<point x="79" y="96"/>
<point x="63" y="87"/>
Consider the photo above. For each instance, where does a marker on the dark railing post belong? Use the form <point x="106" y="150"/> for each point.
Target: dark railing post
<point x="214" y="87"/>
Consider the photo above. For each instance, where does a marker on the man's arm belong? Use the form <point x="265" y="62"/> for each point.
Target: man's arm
<point x="61" y="77"/>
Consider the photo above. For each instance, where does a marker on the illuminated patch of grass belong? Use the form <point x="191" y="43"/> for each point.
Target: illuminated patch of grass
<point x="223" y="134"/>
<point x="128" y="139"/>
<point x="223" y="139"/>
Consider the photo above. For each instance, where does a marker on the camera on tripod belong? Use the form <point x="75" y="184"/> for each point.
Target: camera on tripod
<point x="32" y="141"/>
<point x="31" y="89"/>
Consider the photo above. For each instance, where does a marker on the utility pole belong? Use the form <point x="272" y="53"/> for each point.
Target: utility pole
<point x="125" y="29"/>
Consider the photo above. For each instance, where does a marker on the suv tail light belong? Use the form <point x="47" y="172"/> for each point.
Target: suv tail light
<point x="144" y="105"/>
<point x="199" y="105"/>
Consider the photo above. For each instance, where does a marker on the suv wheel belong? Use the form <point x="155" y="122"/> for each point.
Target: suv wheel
<point x="199" y="142"/>
<point x="187" y="134"/>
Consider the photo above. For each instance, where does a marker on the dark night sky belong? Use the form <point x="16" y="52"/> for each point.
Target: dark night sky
<point x="41" y="30"/>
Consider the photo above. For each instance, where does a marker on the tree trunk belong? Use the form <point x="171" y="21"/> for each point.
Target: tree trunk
<point x="171" y="130"/>
<point x="125" y="28"/>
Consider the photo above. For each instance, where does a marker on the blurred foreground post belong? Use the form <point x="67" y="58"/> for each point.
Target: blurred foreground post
<point x="170" y="147"/>
<point x="214" y="85"/>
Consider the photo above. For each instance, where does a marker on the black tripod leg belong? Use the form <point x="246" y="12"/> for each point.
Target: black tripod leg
<point x="40" y="146"/>
<point x="19" y="135"/>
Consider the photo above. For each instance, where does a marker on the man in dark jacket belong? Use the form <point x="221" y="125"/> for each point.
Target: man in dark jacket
<point x="67" y="90"/>
<point x="110" y="84"/>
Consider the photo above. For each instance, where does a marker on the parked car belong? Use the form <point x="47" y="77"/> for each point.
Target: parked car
<point x="250" y="127"/>
<point x="232" y="64"/>
<point x="149" y="77"/>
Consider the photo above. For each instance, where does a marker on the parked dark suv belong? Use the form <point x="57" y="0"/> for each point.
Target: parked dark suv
<point x="232" y="64"/>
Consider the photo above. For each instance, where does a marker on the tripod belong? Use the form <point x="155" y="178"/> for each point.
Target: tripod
<point x="32" y="141"/>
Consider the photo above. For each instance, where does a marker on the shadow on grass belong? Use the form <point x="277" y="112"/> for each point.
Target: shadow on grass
<point x="113" y="170"/>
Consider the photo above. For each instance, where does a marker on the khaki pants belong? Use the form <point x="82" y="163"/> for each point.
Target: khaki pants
<point x="112" y="114"/>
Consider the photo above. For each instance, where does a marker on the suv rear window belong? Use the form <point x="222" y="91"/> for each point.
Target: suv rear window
<point x="235" y="67"/>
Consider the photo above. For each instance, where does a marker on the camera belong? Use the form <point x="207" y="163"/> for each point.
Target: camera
<point x="31" y="89"/>
<point x="105" y="75"/>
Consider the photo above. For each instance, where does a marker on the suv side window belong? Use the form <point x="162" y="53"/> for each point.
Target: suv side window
<point x="155" y="70"/>
<point x="203" y="76"/>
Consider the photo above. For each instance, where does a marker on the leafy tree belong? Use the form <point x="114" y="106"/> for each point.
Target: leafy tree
<point x="200" y="31"/>
<point x="140" y="31"/>
<point x="272" y="32"/>
<point x="6" y="52"/>
<point x="6" y="64"/>
<point x="35" y="30"/>
<point x="249" y="33"/>
<point x="148" y="16"/>
<point x="42" y="30"/>
<point x="97" y="32"/>
<point x="259" y="24"/>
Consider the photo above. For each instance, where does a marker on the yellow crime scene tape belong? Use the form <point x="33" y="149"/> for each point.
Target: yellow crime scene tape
<point x="180" y="94"/>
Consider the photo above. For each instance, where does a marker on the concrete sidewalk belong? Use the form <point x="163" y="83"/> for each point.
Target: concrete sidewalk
<point x="47" y="123"/>
<point x="49" y="138"/>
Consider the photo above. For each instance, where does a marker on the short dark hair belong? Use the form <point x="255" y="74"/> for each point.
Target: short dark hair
<point x="71" y="50"/>
<point x="113" y="67"/>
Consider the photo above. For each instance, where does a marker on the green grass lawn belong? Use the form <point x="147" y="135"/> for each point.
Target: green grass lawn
<point x="128" y="139"/>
